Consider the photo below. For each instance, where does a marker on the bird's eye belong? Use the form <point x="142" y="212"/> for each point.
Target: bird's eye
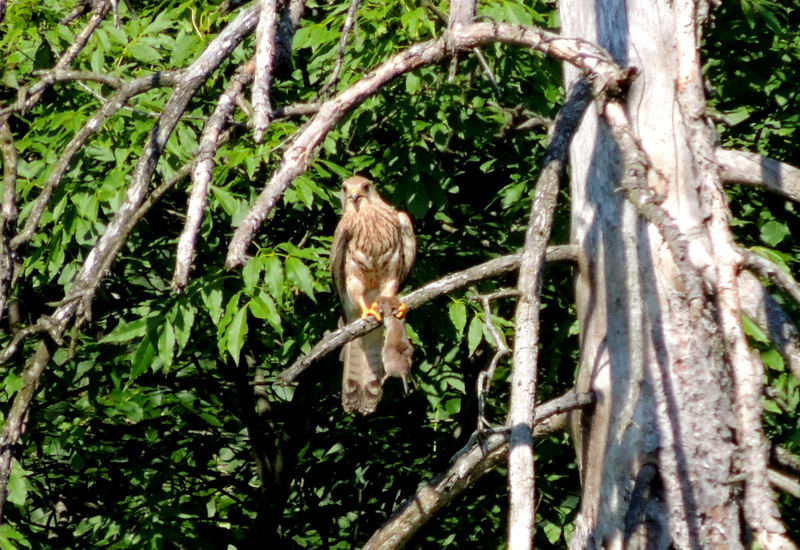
<point x="365" y="187"/>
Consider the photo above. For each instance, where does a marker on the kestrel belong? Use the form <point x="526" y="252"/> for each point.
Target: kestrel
<point x="397" y="349"/>
<point x="372" y="253"/>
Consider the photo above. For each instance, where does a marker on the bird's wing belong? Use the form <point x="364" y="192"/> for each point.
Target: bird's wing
<point x="338" y="248"/>
<point x="408" y="246"/>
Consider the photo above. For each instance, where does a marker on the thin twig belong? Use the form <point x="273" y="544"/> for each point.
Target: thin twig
<point x="484" y="381"/>
<point x="349" y="23"/>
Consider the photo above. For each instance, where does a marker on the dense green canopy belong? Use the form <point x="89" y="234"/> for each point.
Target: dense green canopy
<point x="156" y="424"/>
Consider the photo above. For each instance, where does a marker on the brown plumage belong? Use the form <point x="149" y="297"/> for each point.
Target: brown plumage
<point x="372" y="253"/>
<point x="397" y="349"/>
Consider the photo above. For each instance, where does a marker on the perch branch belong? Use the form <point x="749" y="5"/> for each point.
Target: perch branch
<point x="297" y="157"/>
<point x="522" y="405"/>
<point x="760" y="171"/>
<point x="445" y="285"/>
<point x="484" y="453"/>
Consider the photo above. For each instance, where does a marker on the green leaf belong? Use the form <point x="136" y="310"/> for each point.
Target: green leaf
<point x="475" y="334"/>
<point x="236" y="333"/>
<point x="166" y="344"/>
<point x="125" y="332"/>
<point x="263" y="307"/>
<point x="299" y="274"/>
<point x="773" y="232"/>
<point x="458" y="315"/>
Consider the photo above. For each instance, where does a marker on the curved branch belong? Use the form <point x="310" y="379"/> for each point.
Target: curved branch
<point x="592" y="60"/>
<point x="760" y="171"/>
<point x="445" y="285"/>
<point x="482" y="455"/>
<point x="771" y="271"/>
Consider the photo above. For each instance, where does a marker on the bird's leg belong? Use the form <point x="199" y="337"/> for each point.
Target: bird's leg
<point x="401" y="310"/>
<point x="371" y="310"/>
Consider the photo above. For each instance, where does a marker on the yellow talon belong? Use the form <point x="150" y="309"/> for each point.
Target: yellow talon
<point x="401" y="310"/>
<point x="371" y="310"/>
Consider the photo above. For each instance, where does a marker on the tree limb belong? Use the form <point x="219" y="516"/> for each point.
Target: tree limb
<point x="771" y="271"/>
<point x="202" y="173"/>
<point x="760" y="171"/>
<point x="445" y="285"/>
<point x="485" y="452"/>
<point x="521" y="471"/>
<point x="9" y="213"/>
<point x="264" y="65"/>
<point x="594" y="61"/>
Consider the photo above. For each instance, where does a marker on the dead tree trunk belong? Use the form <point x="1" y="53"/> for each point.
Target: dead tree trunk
<point x="661" y="338"/>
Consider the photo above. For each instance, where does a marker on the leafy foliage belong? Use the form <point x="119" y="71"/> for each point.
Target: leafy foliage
<point x="158" y="426"/>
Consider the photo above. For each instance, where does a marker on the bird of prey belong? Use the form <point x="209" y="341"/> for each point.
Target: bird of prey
<point x="372" y="253"/>
<point x="397" y="350"/>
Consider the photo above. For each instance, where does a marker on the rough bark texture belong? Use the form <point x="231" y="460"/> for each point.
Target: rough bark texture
<point x="638" y="329"/>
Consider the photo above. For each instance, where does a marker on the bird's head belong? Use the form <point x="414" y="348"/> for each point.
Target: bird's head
<point x="356" y="188"/>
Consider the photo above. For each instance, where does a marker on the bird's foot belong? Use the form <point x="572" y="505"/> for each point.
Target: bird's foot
<point x="372" y="310"/>
<point x="401" y="310"/>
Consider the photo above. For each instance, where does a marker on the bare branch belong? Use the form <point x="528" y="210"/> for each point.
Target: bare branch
<point x="297" y="157"/>
<point x="785" y="483"/>
<point x="18" y="416"/>
<point x="521" y="474"/>
<point x="484" y="382"/>
<point x="202" y="173"/>
<point x="771" y="271"/>
<point x="264" y="65"/>
<point x="9" y="213"/>
<point x="758" y="170"/>
<point x="445" y="285"/>
<point x="485" y="453"/>
<point x="349" y="23"/>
